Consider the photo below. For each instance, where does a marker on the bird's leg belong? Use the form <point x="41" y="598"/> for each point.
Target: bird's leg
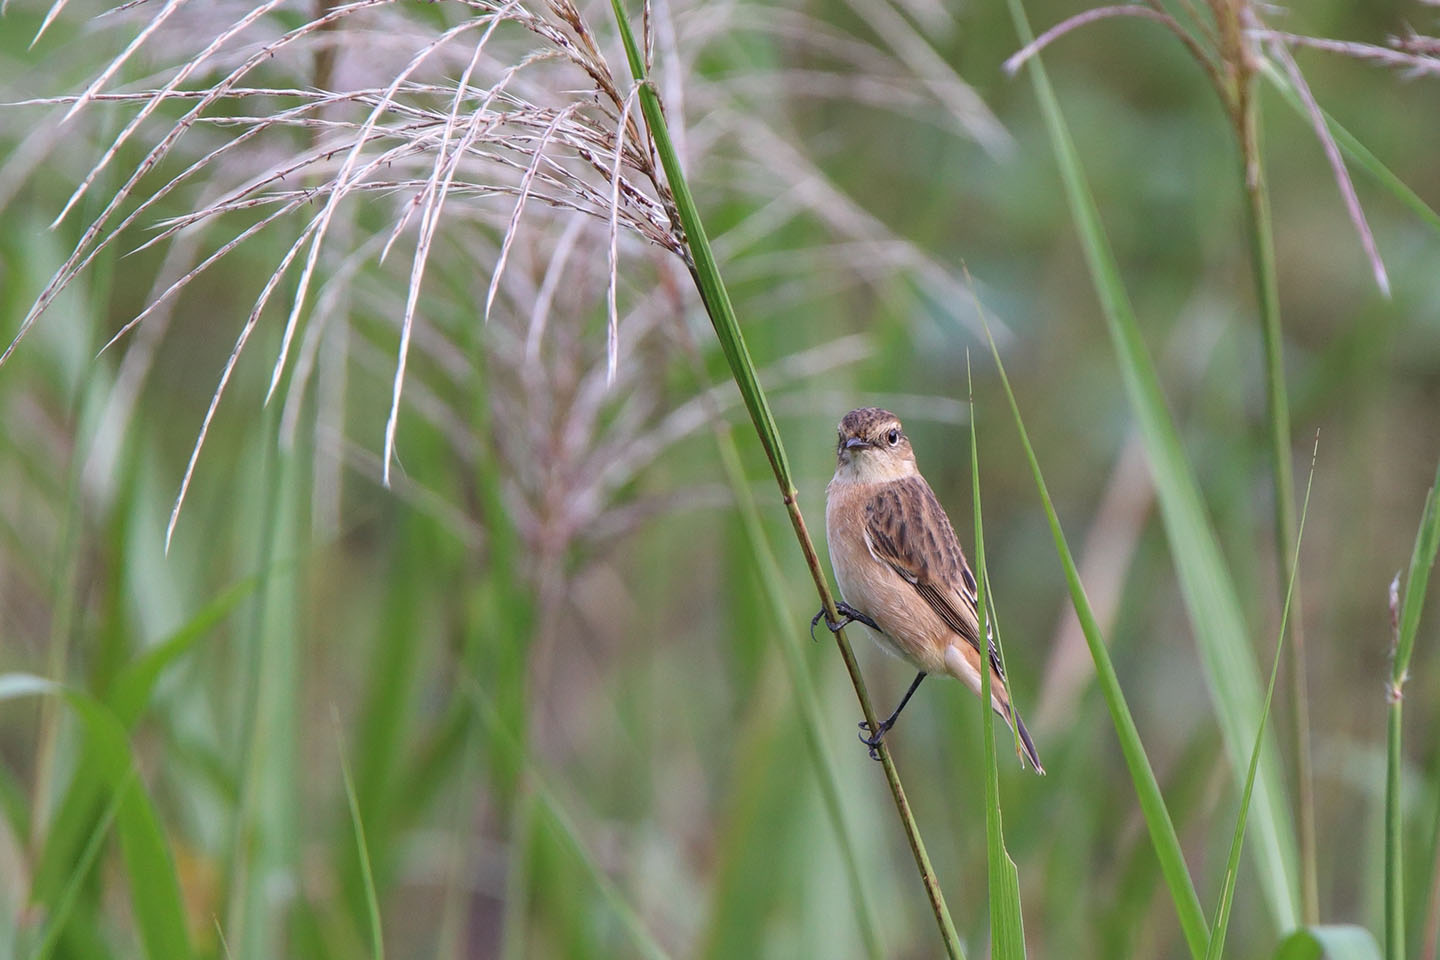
<point x="873" y="741"/>
<point x="848" y="615"/>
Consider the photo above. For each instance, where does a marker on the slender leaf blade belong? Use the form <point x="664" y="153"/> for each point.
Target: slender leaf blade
<point x="706" y="274"/>
<point x="1205" y="584"/>
<point x="1232" y="865"/>
<point x="153" y="885"/>
<point x="372" y="899"/>
<point x="1147" y="789"/>
<point x="1007" y="930"/>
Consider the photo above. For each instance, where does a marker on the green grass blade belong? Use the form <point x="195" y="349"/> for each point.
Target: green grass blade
<point x="128" y="696"/>
<point x="1147" y="790"/>
<point x="1354" y="149"/>
<point x="154" y="887"/>
<point x="1007" y="928"/>
<point x="1417" y="580"/>
<point x="1338" y="942"/>
<point x="372" y="900"/>
<point x="130" y="693"/>
<point x="65" y="902"/>
<point x="1205" y="584"/>
<point x="1232" y="864"/>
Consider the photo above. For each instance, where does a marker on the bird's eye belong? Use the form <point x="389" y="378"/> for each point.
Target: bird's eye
<point x="893" y="436"/>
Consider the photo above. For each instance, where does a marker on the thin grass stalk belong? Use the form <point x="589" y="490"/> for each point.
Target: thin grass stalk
<point x="1267" y="296"/>
<point x="717" y="304"/>
<point x="514" y="923"/>
<point x="1407" y="622"/>
<point x="1394" y="839"/>
<point x="362" y="849"/>
<point x="1232" y="864"/>
<point x="242" y="841"/>
<point x="1147" y="790"/>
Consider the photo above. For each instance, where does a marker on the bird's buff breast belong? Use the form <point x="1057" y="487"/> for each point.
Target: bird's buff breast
<point x="909" y="629"/>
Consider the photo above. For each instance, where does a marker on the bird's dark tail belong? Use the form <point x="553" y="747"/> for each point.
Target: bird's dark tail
<point x="1028" y="751"/>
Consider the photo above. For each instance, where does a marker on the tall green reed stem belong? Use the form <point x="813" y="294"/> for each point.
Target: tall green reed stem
<point x="727" y="330"/>
<point x="1407" y="623"/>
<point x="1267" y="296"/>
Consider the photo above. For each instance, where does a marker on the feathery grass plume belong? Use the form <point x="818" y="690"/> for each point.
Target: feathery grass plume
<point x="427" y="134"/>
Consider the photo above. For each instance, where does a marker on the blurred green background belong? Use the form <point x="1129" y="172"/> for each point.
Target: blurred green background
<point x="544" y="657"/>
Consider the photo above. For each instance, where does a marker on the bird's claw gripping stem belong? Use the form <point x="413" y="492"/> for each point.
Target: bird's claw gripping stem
<point x="874" y="740"/>
<point x="848" y="615"/>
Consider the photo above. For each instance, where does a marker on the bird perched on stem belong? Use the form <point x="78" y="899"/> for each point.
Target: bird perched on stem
<point x="900" y="569"/>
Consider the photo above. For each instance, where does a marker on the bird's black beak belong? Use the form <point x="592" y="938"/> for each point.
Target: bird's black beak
<point x="854" y="442"/>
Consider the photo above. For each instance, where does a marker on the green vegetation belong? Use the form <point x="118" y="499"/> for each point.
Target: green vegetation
<point x="417" y="422"/>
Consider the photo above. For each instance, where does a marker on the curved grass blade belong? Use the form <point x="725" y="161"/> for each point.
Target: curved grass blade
<point x="1407" y="622"/>
<point x="1337" y="942"/>
<point x="1007" y="927"/>
<point x="65" y="902"/>
<point x="1232" y="864"/>
<point x="130" y="692"/>
<point x="127" y="697"/>
<point x="154" y="887"/>
<point x="1147" y="790"/>
<point x="1205" y="584"/>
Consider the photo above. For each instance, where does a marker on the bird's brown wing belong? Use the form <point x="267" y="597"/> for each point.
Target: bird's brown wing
<point x="907" y="529"/>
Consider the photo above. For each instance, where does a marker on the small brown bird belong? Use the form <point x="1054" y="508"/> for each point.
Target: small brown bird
<point x="901" y="570"/>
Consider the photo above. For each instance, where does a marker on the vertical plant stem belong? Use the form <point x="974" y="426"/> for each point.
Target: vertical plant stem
<point x="727" y="330"/>
<point x="1394" y="838"/>
<point x="1406" y="620"/>
<point x="1267" y="295"/>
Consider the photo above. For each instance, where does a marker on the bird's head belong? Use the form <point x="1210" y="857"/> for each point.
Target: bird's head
<point x="873" y="448"/>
